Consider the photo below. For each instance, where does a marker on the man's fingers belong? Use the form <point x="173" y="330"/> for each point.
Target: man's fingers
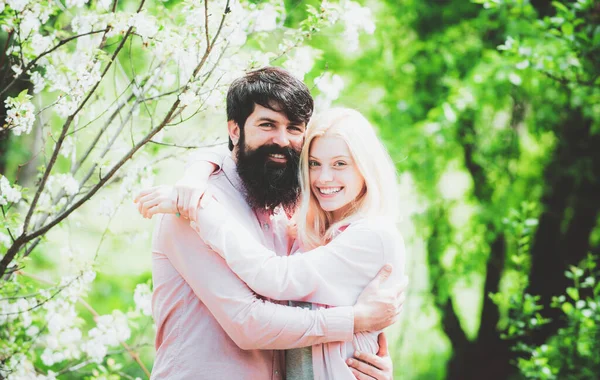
<point x="144" y="192"/>
<point x="151" y="211"/>
<point x="383" y="275"/>
<point x="383" y="346"/>
<point x="194" y="203"/>
<point x="403" y="283"/>
<point x="366" y="370"/>
<point x="149" y="196"/>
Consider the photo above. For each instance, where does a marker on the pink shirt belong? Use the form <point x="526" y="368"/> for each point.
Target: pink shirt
<point x="334" y="274"/>
<point x="210" y="325"/>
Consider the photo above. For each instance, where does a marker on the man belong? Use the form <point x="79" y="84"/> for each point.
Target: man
<point x="210" y="325"/>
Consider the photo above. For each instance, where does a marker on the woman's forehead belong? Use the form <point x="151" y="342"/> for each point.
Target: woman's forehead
<point x="327" y="147"/>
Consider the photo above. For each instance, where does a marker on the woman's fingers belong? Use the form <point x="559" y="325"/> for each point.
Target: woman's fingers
<point x="383" y="345"/>
<point x="365" y="368"/>
<point x="380" y="363"/>
<point x="361" y="376"/>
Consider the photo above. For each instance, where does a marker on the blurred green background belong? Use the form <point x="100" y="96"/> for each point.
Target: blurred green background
<point x="491" y="110"/>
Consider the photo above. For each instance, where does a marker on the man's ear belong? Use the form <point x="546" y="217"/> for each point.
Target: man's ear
<point x="234" y="132"/>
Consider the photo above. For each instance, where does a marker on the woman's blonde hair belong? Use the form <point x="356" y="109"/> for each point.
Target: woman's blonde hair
<point x="316" y="226"/>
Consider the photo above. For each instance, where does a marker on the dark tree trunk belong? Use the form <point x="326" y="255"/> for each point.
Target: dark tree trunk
<point x="571" y="206"/>
<point x="488" y="356"/>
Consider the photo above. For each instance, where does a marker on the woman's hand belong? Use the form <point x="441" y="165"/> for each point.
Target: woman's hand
<point x="178" y="199"/>
<point x="366" y="366"/>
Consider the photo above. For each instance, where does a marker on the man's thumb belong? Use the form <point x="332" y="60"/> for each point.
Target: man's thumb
<point x="384" y="273"/>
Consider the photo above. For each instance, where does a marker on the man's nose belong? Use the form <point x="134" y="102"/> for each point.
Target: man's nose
<point x="281" y="138"/>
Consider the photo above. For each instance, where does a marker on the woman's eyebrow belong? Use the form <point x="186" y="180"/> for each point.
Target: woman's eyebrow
<point x="332" y="158"/>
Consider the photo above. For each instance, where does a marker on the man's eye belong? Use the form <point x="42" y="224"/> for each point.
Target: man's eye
<point x="267" y="125"/>
<point x="296" y="129"/>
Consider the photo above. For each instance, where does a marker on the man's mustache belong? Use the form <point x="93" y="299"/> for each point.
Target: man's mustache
<point x="288" y="152"/>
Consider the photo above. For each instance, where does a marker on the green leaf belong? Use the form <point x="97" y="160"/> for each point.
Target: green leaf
<point x="567" y="28"/>
<point x="567" y="308"/>
<point x="560" y="7"/>
<point x="573" y="293"/>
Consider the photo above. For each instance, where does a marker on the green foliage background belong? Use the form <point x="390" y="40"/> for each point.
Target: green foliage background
<point x="491" y="110"/>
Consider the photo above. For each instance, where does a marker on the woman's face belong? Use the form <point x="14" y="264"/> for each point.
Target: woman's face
<point x="334" y="177"/>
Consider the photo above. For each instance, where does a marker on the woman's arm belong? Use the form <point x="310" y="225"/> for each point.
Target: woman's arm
<point x="334" y="274"/>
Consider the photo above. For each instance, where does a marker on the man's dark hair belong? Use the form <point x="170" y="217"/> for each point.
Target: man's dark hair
<point x="270" y="87"/>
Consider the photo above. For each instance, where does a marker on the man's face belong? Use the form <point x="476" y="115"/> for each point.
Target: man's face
<point x="268" y="155"/>
<point x="268" y="127"/>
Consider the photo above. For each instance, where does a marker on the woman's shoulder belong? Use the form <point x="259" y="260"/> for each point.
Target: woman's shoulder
<point x="382" y="229"/>
<point x="378" y="225"/>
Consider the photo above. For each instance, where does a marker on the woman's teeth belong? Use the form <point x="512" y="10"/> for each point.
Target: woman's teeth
<point x="330" y="190"/>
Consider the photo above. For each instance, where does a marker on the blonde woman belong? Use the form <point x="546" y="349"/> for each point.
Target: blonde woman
<point x="345" y="233"/>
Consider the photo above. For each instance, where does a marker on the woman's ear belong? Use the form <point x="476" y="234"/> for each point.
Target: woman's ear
<point x="234" y="132"/>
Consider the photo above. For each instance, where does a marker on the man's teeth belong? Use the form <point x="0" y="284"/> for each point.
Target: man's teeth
<point x="330" y="190"/>
<point x="277" y="156"/>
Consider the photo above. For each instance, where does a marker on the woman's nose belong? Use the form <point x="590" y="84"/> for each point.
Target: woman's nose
<point x="325" y="175"/>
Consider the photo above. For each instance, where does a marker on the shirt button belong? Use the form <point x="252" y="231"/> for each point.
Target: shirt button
<point x="276" y="372"/>
<point x="266" y="226"/>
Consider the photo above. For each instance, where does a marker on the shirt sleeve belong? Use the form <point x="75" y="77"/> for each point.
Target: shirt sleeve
<point x="215" y="155"/>
<point x="334" y="274"/>
<point x="252" y="323"/>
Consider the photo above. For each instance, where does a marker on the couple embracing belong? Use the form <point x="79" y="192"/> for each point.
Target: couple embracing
<point x="279" y="259"/>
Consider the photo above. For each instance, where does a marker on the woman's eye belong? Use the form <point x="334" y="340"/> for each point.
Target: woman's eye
<point x="313" y="164"/>
<point x="340" y="163"/>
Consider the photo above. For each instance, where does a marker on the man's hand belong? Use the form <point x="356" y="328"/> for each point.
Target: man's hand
<point x="366" y="366"/>
<point x="378" y="308"/>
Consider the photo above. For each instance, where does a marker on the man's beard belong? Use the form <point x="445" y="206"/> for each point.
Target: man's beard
<point x="269" y="184"/>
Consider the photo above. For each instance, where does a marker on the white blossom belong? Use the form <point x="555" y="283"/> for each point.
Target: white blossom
<point x="188" y="97"/>
<point x="142" y="296"/>
<point x="68" y="147"/>
<point x="330" y="86"/>
<point x="4" y="238"/>
<point x="17" y="69"/>
<point x="29" y="23"/>
<point x="356" y="19"/>
<point x="33" y="330"/>
<point x="144" y="25"/>
<point x="76" y="3"/>
<point x="20" y="114"/>
<point x="8" y="193"/>
<point x="265" y="19"/>
<point x="69" y="184"/>
<point x="17" y="5"/>
<point x="110" y="330"/>
<point x="301" y="61"/>
<point x="104" y="4"/>
<point x="38" y="82"/>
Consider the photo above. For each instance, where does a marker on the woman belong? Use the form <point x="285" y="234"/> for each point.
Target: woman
<point x="345" y="231"/>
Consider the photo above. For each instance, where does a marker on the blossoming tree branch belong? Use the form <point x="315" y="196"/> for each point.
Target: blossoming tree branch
<point x="102" y="84"/>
